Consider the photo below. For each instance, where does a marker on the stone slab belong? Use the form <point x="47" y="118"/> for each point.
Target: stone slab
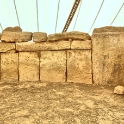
<point x="4" y="47"/>
<point x="9" y="66"/>
<point x="32" y="46"/>
<point x="119" y="90"/>
<point x="75" y="35"/>
<point x="108" y="58"/>
<point x="39" y="36"/>
<point x="53" y="66"/>
<point x="28" y="66"/>
<point x="13" y="29"/>
<point x="8" y="36"/>
<point x="77" y="44"/>
<point x="79" y="66"/>
<point x="108" y="29"/>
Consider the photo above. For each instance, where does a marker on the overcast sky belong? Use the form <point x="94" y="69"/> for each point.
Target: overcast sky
<point x="47" y="14"/>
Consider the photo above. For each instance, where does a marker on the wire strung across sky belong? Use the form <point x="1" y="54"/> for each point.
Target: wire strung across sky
<point x="96" y="15"/>
<point x="1" y="26"/>
<point x="37" y="15"/>
<point x="117" y="14"/>
<point x="16" y="13"/>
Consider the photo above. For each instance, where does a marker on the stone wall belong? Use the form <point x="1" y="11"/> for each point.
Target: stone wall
<point x="63" y="57"/>
<point x="60" y="57"/>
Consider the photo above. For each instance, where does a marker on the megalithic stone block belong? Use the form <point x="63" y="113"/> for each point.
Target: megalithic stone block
<point x="8" y="36"/>
<point x="79" y="66"/>
<point x="39" y="36"/>
<point x="53" y="66"/>
<point x="108" y="58"/>
<point x="28" y="66"/>
<point x="9" y="66"/>
<point x="4" y="47"/>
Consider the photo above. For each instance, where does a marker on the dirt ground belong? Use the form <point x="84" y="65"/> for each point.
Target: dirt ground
<point x="59" y="103"/>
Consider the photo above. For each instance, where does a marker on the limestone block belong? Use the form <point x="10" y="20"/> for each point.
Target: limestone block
<point x="108" y="29"/>
<point x="9" y="66"/>
<point x="13" y="29"/>
<point x="119" y="90"/>
<point x="79" y="66"/>
<point x="108" y="58"/>
<point x="77" y="44"/>
<point x="39" y="36"/>
<point x="4" y="47"/>
<point x="28" y="66"/>
<point x="53" y="66"/>
<point x="32" y="46"/>
<point x="8" y="36"/>
<point x="75" y="35"/>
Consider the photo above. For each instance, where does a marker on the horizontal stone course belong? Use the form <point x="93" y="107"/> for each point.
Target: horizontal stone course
<point x="32" y="46"/>
<point x="4" y="47"/>
<point x="8" y="36"/>
<point x="75" y="35"/>
<point x="39" y="36"/>
<point x="77" y="44"/>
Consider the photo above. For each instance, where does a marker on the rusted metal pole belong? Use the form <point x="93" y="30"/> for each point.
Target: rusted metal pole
<point x="71" y="15"/>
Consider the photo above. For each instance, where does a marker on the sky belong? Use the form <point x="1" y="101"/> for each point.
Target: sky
<point x="41" y="15"/>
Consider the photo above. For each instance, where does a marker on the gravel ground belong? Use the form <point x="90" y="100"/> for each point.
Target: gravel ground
<point x="59" y="103"/>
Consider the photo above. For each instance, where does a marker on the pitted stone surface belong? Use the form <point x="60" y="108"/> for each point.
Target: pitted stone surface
<point x="108" y="29"/>
<point x="119" y="90"/>
<point x="13" y="29"/>
<point x="79" y="66"/>
<point x="108" y="58"/>
<point x="4" y="47"/>
<point x="53" y="66"/>
<point x="39" y="36"/>
<point x="77" y="44"/>
<point x="9" y="66"/>
<point x="28" y="66"/>
<point x="8" y="36"/>
<point x="32" y="46"/>
<point x="75" y="35"/>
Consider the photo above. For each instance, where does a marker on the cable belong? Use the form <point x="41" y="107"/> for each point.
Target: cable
<point x="57" y="16"/>
<point x="37" y="15"/>
<point x="16" y="12"/>
<point x="77" y="15"/>
<point x="1" y="26"/>
<point x="117" y="14"/>
<point x="97" y="15"/>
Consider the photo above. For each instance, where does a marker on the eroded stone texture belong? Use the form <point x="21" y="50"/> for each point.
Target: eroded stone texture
<point x="79" y="66"/>
<point x="119" y="90"/>
<point x="0" y="36"/>
<point x="28" y="66"/>
<point x="13" y="29"/>
<point x="108" y="58"/>
<point x="31" y="46"/>
<point x="108" y="29"/>
<point x="9" y="66"/>
<point x="4" y="47"/>
<point x="77" y="44"/>
<point x="53" y="66"/>
<point x="75" y="35"/>
<point x="8" y="36"/>
<point x="39" y="36"/>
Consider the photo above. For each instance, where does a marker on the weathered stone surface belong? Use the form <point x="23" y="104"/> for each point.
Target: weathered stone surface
<point x="79" y="66"/>
<point x="9" y="66"/>
<point x="16" y="36"/>
<point x="28" y="66"/>
<point x="39" y="36"/>
<point x="4" y="47"/>
<point x="77" y="44"/>
<point x="53" y="66"/>
<point x="108" y="58"/>
<point x="31" y="46"/>
<point x="75" y="35"/>
<point x="119" y="90"/>
<point x="108" y="29"/>
<point x="13" y="29"/>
